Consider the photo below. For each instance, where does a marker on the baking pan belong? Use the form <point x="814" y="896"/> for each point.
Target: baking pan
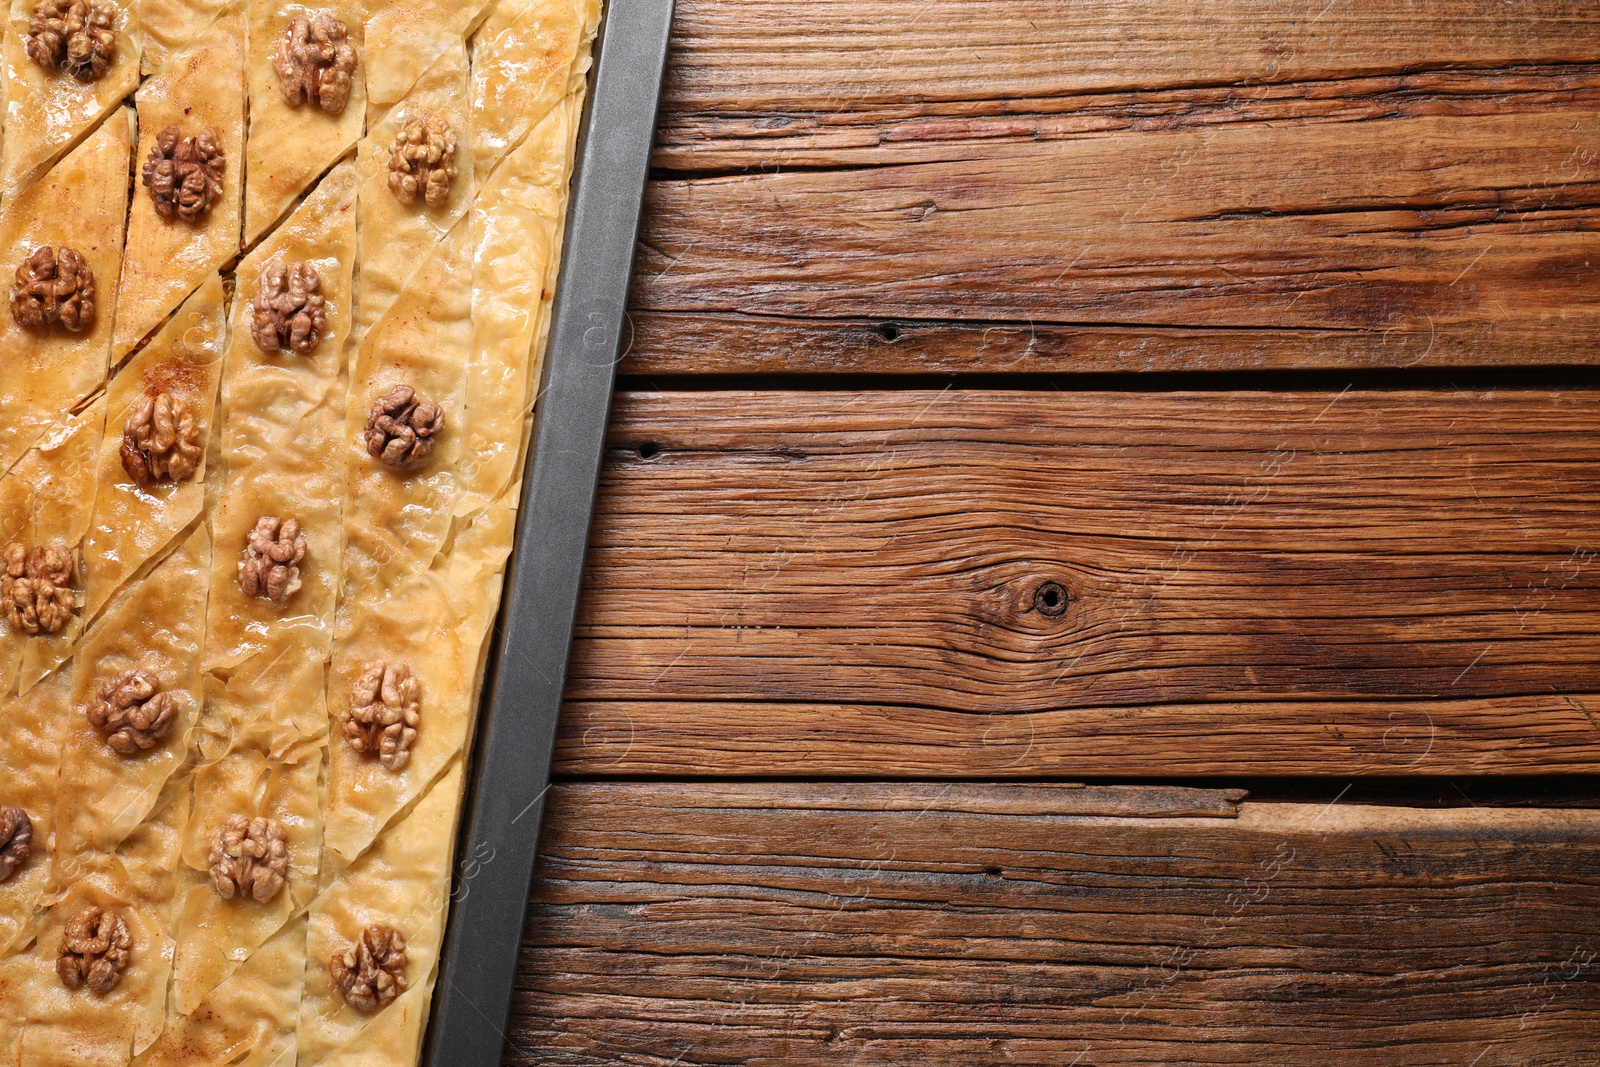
<point x="528" y="660"/>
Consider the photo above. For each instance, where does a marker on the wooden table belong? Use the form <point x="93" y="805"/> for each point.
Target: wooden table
<point x="1099" y="554"/>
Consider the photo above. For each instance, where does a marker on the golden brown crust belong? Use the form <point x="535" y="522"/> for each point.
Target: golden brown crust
<point x="292" y="144"/>
<point x="178" y="237"/>
<point x="279" y="938"/>
<point x="156" y="625"/>
<point x="135" y="520"/>
<point x="81" y="204"/>
<point x="404" y="37"/>
<point x="60" y="108"/>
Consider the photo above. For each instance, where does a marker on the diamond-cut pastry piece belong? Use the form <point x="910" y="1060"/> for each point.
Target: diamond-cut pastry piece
<point x="396" y="884"/>
<point x="404" y="37"/>
<point x="49" y="495"/>
<point x="255" y="1009"/>
<point x="200" y="92"/>
<point x="396" y="238"/>
<point x="291" y="145"/>
<point x="80" y="204"/>
<point x="395" y="521"/>
<point x="30" y="758"/>
<point x="136" y="519"/>
<point x="51" y="109"/>
<point x="418" y="622"/>
<point x="167" y="25"/>
<point x="154" y="628"/>
<point x="77" y="1026"/>
<point x="283" y="426"/>
<point x="216" y="935"/>
<point x="516" y="223"/>
<point x="525" y="61"/>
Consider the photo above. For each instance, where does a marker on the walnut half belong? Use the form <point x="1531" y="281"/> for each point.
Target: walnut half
<point x="54" y="285"/>
<point x="372" y="972"/>
<point x="16" y="840"/>
<point x="76" y="37"/>
<point x="423" y="161"/>
<point x="402" y="429"/>
<point x="133" y="711"/>
<point x="161" y="440"/>
<point x="94" y="951"/>
<point x="385" y="708"/>
<point x="184" y="174"/>
<point x="316" y="63"/>
<point x="270" y="567"/>
<point x="36" y="588"/>
<point x="288" y="311"/>
<point x="250" y="855"/>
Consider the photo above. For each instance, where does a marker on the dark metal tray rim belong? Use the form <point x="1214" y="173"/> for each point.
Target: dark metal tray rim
<point x="510" y="765"/>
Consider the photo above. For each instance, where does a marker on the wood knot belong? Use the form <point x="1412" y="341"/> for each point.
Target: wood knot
<point x="1051" y="599"/>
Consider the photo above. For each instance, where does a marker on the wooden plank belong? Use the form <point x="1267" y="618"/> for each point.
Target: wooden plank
<point x="773" y="135"/>
<point x="1358" y="582"/>
<point x="1482" y="232"/>
<point x="1135" y="185"/>
<point x="803" y="924"/>
<point x="733" y="56"/>
<point x="736" y="343"/>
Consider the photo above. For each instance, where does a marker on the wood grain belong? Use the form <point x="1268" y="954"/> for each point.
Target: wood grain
<point x="1481" y="229"/>
<point x="737" y="343"/>
<point x="732" y="56"/>
<point x="1138" y="185"/>
<point x="801" y="924"/>
<point x="772" y="136"/>
<point x="1358" y="582"/>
